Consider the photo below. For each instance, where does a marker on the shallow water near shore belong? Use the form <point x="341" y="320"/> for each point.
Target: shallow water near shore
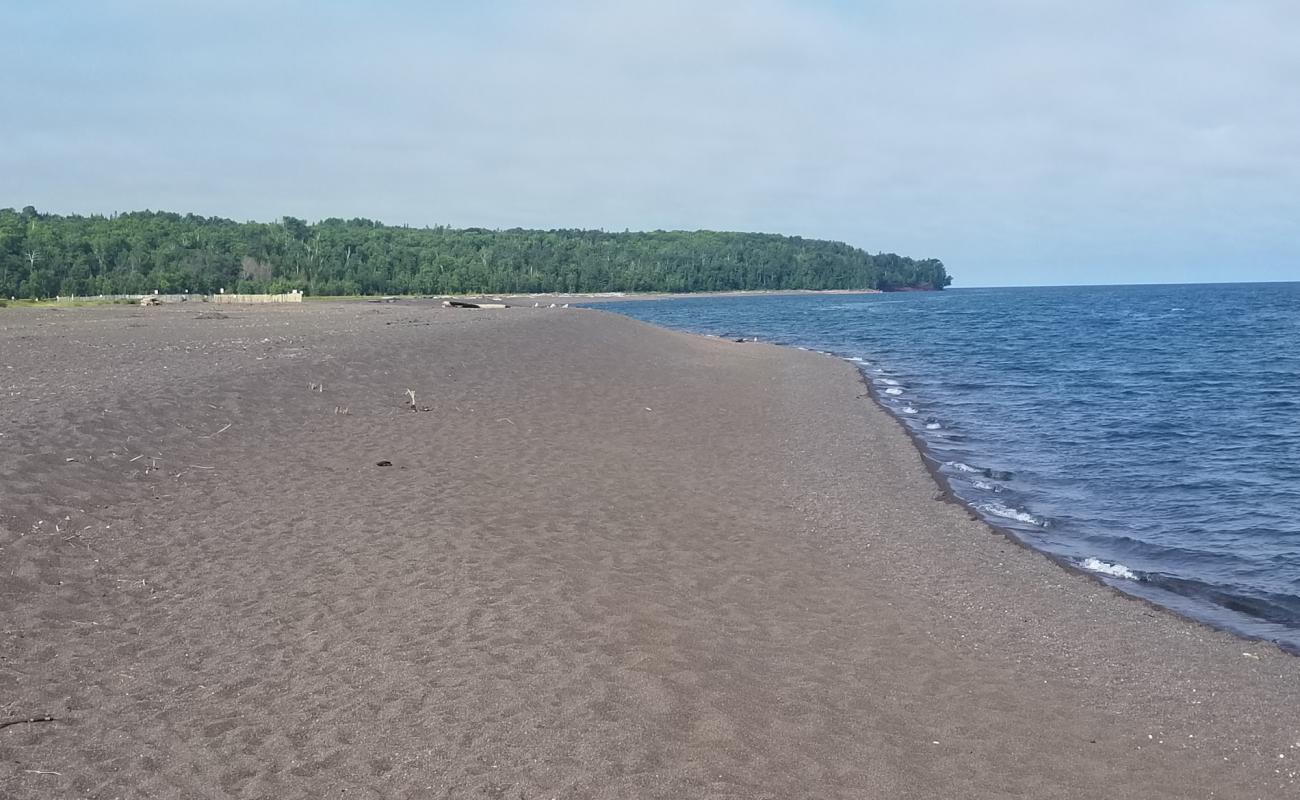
<point x="1147" y="434"/>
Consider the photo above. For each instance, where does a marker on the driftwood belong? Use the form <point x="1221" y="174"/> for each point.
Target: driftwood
<point x="410" y="393"/>
<point x="467" y="304"/>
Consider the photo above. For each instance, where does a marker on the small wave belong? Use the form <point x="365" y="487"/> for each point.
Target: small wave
<point x="999" y="510"/>
<point x="893" y="390"/>
<point x="997" y="474"/>
<point x="1115" y="570"/>
<point x="857" y="360"/>
<point x="909" y="410"/>
<point x="960" y="467"/>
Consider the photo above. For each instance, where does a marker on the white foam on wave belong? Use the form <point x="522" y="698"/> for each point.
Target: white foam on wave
<point x="1115" y="570"/>
<point x="999" y="510"/>
<point x="857" y="360"/>
<point x="982" y="485"/>
<point x="932" y="426"/>
<point x="908" y="410"/>
<point x="894" y="390"/>
<point x="890" y="382"/>
<point x="960" y="467"/>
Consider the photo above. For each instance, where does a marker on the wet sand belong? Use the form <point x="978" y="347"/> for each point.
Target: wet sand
<point x="608" y="561"/>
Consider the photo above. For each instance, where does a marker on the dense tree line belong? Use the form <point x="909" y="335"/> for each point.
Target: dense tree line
<point x="43" y="255"/>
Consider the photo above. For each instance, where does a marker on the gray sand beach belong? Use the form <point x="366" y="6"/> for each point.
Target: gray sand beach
<point x="601" y="560"/>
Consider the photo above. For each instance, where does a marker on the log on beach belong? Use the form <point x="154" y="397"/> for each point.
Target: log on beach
<point x="650" y="565"/>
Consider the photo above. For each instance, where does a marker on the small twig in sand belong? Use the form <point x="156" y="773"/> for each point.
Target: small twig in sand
<point x="223" y="430"/>
<point x="507" y="419"/>
<point x="196" y="466"/>
<point x="41" y="772"/>
<point x="137" y="458"/>
<point x="77" y="536"/>
<point x="7" y="723"/>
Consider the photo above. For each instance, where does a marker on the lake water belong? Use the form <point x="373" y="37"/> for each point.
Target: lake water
<point x="1147" y="434"/>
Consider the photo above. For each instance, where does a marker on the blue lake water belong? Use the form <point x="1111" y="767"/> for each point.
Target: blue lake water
<point x="1148" y="434"/>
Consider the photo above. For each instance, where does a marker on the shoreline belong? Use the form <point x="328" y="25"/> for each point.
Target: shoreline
<point x="944" y="485"/>
<point x="1211" y="617"/>
<point x="612" y="560"/>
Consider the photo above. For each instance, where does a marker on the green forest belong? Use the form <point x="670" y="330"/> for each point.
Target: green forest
<point x="44" y="255"/>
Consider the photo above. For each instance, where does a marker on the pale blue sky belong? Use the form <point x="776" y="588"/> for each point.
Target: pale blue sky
<point x="1021" y="141"/>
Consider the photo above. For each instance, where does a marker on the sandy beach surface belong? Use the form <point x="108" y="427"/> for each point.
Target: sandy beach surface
<point x="608" y="561"/>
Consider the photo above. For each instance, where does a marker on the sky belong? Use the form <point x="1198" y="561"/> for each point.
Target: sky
<point x="1023" y="142"/>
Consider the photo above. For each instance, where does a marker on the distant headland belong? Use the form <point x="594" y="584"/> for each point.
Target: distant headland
<point x="43" y="255"/>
